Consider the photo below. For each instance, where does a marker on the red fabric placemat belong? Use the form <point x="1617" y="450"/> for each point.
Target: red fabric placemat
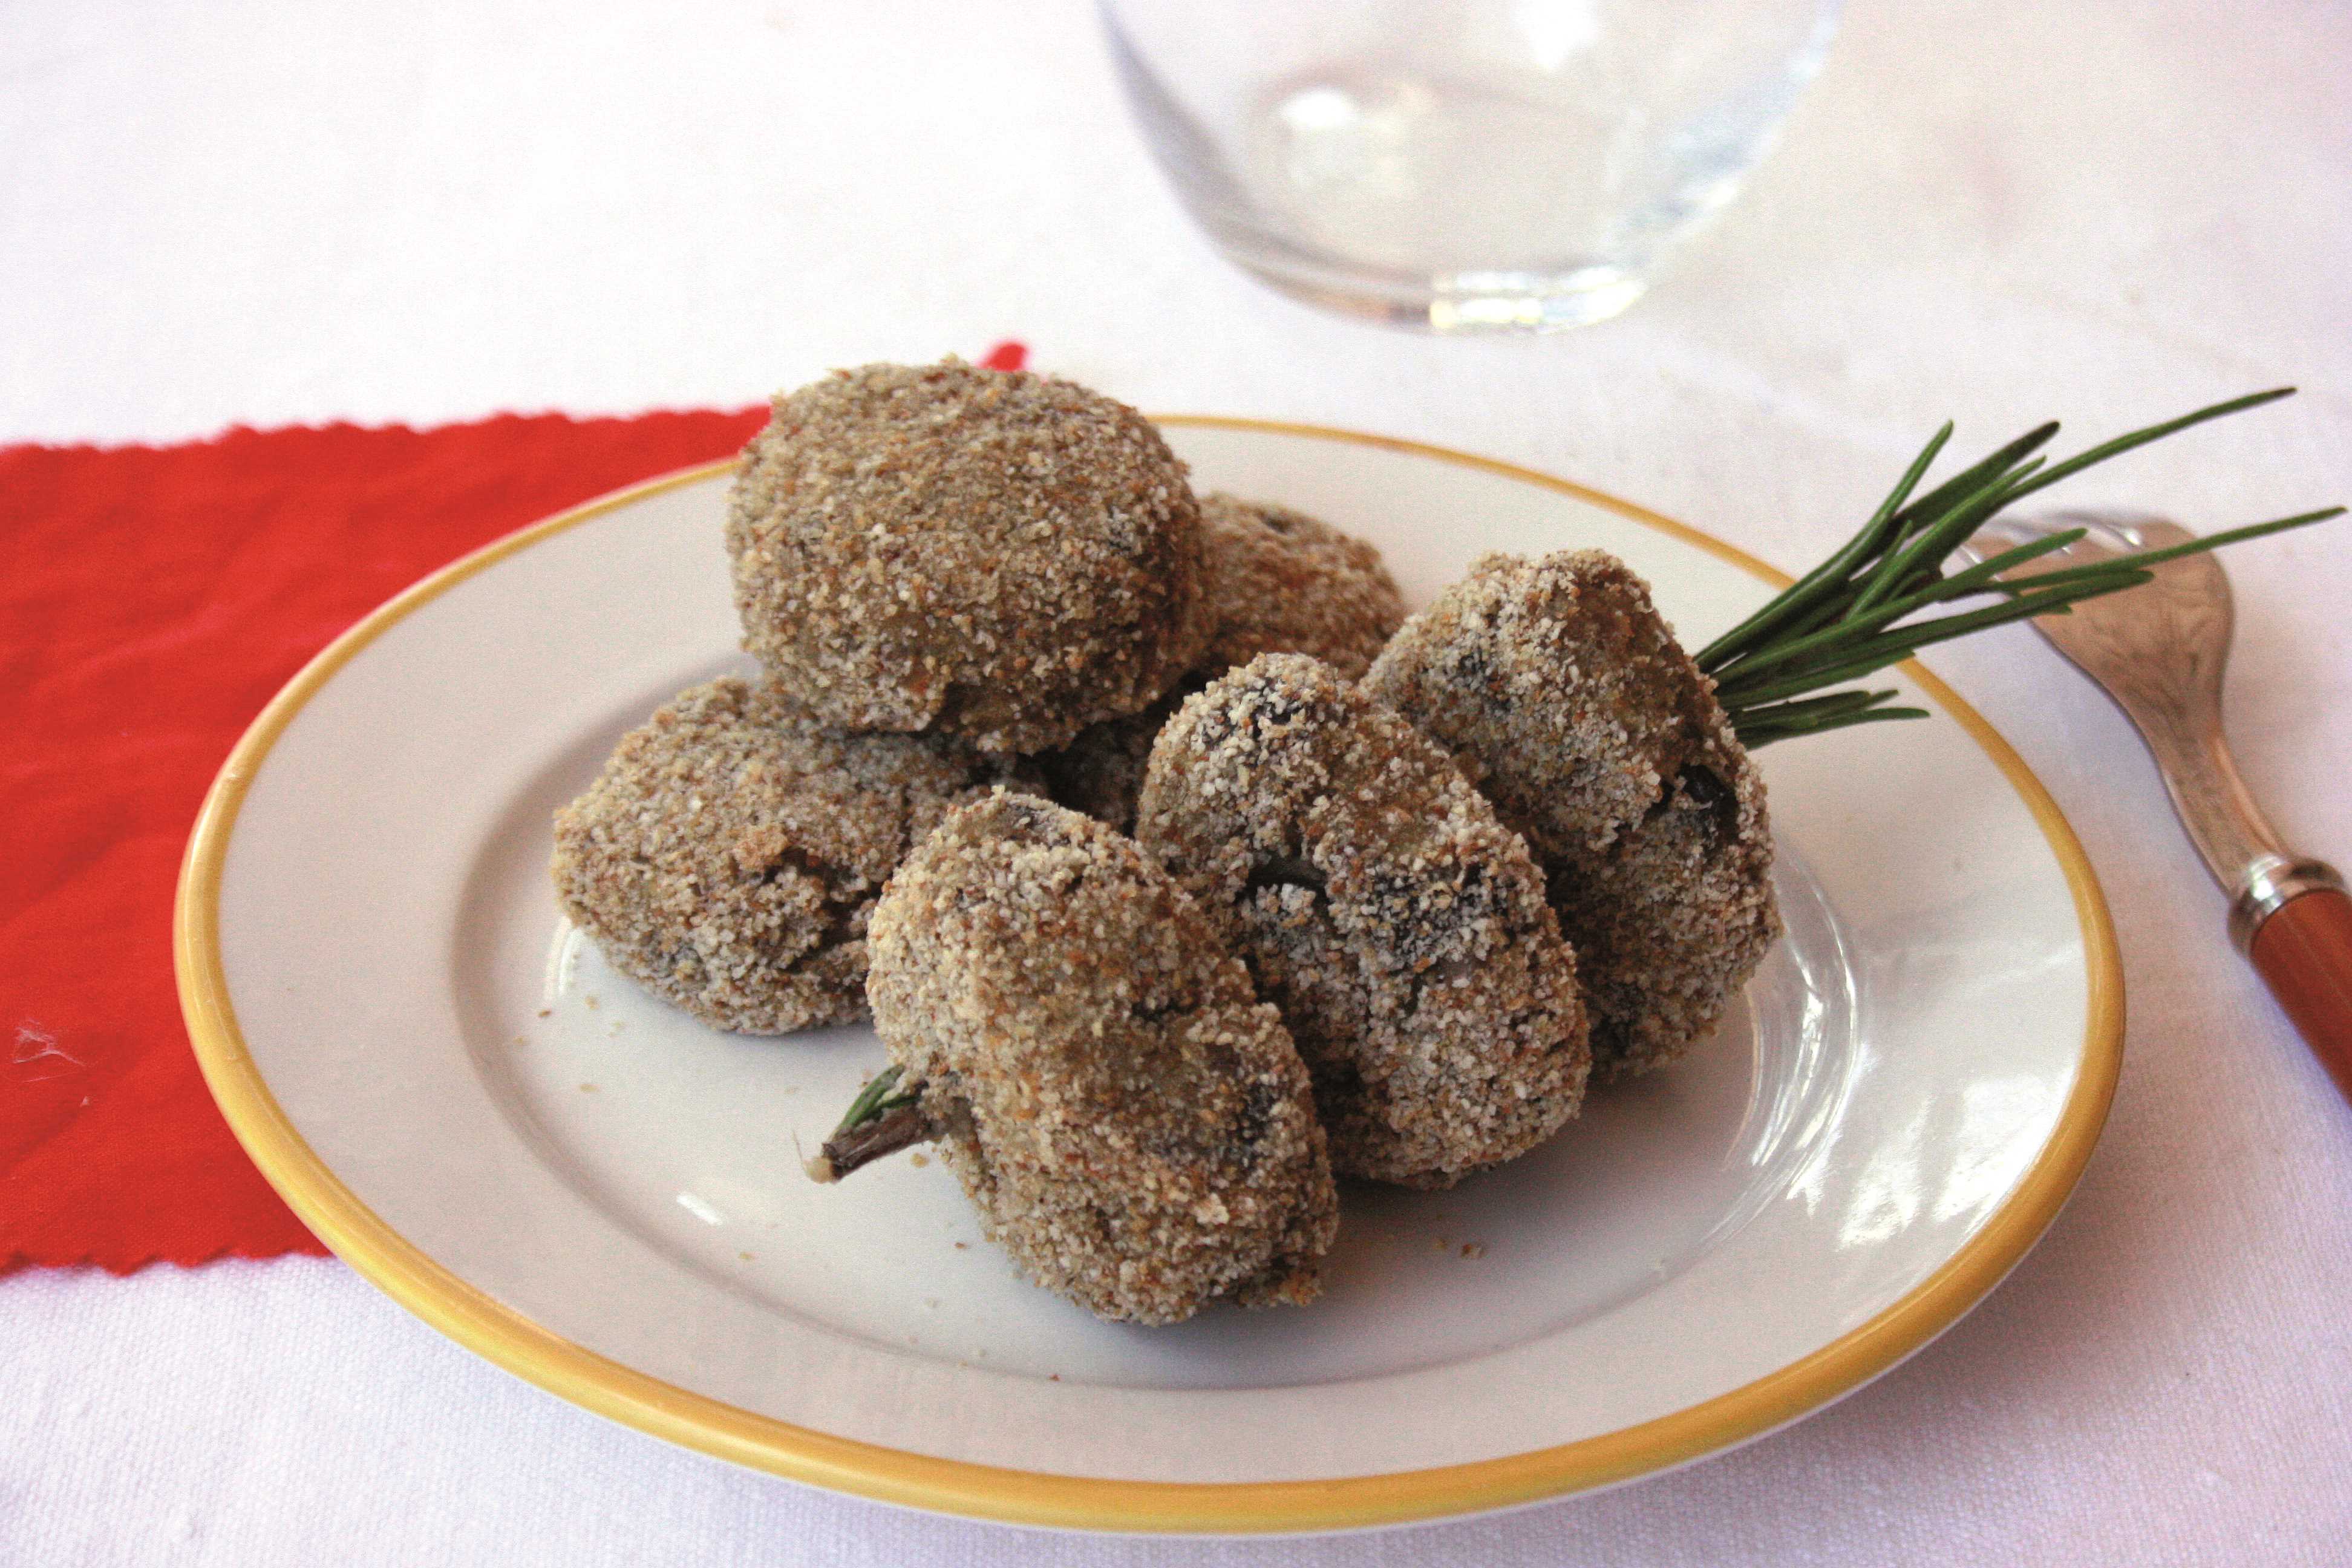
<point x="154" y="599"/>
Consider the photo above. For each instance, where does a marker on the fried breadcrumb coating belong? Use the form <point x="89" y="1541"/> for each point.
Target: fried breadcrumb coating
<point x="1279" y="582"/>
<point x="727" y="857"/>
<point x="1133" y="1124"/>
<point x="1399" y="927"/>
<point x="1567" y="700"/>
<point x="998" y="555"/>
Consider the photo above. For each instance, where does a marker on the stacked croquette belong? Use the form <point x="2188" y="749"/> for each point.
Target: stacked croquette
<point x="995" y="555"/>
<point x="1317" y="888"/>
<point x="1278" y="581"/>
<point x="1400" y="929"/>
<point x="1133" y="1124"/>
<point x="1565" y="698"/>
<point x="728" y="855"/>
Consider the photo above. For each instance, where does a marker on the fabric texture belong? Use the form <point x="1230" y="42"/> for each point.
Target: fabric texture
<point x="155" y="599"/>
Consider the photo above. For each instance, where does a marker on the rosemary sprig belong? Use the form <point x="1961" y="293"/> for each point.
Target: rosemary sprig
<point x="1850" y="616"/>
<point x="877" y="1123"/>
<point x="875" y="1100"/>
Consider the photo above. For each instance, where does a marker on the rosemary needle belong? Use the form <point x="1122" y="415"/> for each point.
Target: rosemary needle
<point x="874" y="1102"/>
<point x="1849" y="616"/>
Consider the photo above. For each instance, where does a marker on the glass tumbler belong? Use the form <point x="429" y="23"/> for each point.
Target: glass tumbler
<point x="1465" y="165"/>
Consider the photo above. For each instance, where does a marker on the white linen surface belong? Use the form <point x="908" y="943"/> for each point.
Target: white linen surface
<point x="264" y="211"/>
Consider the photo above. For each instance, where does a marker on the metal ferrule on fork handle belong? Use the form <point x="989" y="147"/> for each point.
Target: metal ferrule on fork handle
<point x="2270" y="884"/>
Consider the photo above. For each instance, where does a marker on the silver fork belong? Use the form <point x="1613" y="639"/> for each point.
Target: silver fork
<point x="2159" y="651"/>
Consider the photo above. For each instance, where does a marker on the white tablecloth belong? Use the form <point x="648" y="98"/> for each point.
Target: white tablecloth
<point x="269" y="211"/>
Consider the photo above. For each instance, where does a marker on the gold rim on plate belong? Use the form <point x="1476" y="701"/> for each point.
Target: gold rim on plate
<point x="506" y="1337"/>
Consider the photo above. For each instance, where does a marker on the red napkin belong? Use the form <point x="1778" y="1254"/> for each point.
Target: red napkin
<point x="153" y="600"/>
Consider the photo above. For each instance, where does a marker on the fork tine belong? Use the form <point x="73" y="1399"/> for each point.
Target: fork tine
<point x="2002" y="533"/>
<point x="2106" y="534"/>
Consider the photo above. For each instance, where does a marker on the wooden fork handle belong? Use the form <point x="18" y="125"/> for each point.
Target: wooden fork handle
<point x="2304" y="953"/>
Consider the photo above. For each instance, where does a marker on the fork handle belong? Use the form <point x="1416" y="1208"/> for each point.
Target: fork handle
<point x="2302" y="949"/>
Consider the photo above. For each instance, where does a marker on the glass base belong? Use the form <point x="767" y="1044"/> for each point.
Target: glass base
<point x="1462" y="304"/>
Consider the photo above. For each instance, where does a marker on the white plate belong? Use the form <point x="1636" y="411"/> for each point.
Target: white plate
<point x="603" y="1196"/>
